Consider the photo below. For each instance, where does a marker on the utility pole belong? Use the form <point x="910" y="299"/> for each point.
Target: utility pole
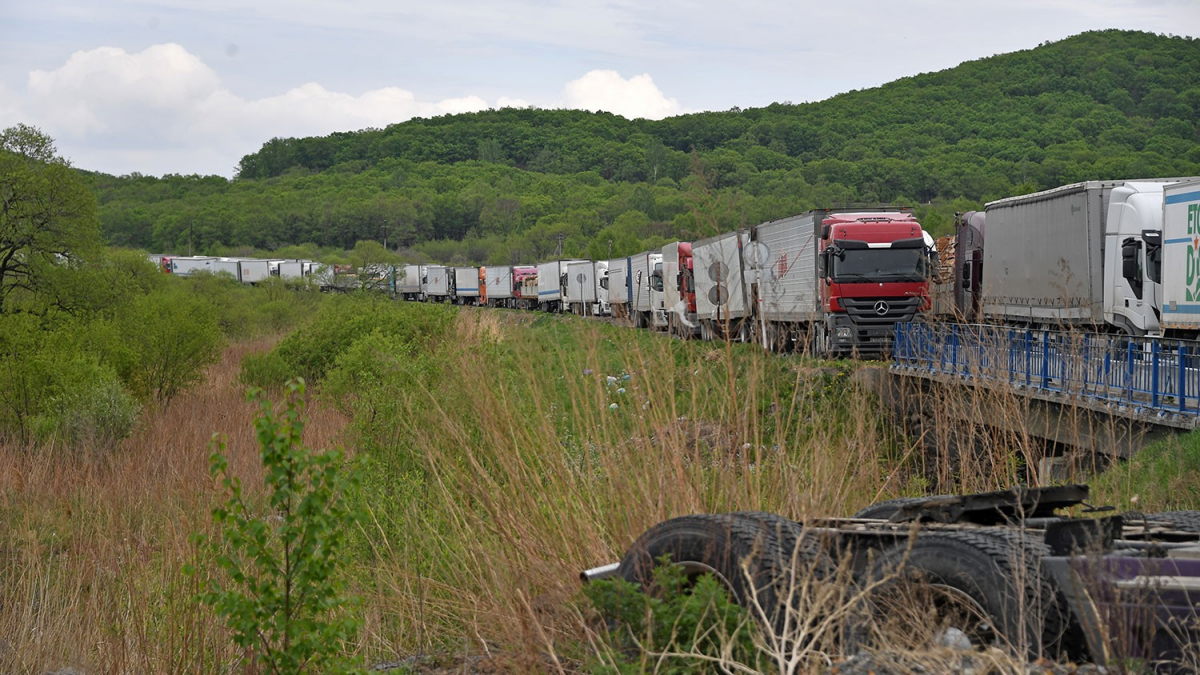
<point x="561" y="237"/>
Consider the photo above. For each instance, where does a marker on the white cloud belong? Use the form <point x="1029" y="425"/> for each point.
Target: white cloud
<point x="164" y="110"/>
<point x="633" y="98"/>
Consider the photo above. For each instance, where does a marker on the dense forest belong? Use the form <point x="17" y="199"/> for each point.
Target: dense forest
<point x="516" y="184"/>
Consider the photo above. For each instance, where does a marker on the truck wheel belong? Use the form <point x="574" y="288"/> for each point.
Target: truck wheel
<point x="742" y="553"/>
<point x="885" y="509"/>
<point x="983" y="586"/>
<point x="1184" y="521"/>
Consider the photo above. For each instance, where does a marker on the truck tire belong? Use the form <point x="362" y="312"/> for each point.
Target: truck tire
<point x="719" y="545"/>
<point x="1184" y="521"/>
<point x="984" y="585"/>
<point x="885" y="509"/>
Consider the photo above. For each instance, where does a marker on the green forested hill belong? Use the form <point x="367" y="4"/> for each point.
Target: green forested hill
<point x="508" y="183"/>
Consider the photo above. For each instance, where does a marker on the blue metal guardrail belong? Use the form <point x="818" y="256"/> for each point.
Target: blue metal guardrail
<point x="1154" y="374"/>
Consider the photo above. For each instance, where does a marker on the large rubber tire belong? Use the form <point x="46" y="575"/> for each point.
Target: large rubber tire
<point x="886" y="509"/>
<point x="720" y="545"/>
<point x="993" y="571"/>
<point x="1184" y="521"/>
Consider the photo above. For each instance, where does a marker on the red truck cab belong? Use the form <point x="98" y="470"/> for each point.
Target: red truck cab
<point x="874" y="271"/>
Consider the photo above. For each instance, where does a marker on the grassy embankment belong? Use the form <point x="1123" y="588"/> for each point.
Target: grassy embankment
<point x="497" y="468"/>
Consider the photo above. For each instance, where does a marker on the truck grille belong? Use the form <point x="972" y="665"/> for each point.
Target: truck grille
<point x="881" y="311"/>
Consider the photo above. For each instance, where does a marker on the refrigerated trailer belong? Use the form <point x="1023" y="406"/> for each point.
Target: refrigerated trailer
<point x="253" y="271"/>
<point x="187" y="265"/>
<point x="722" y="303"/>
<point x="292" y="269"/>
<point x="579" y="291"/>
<point x="408" y="282"/>
<point x="551" y="281"/>
<point x="499" y="285"/>
<point x="466" y="285"/>
<point x="616" y="287"/>
<point x="438" y="284"/>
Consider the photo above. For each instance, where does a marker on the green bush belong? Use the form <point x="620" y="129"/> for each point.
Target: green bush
<point x="171" y="336"/>
<point x="280" y="561"/>
<point x="342" y="321"/>
<point x="96" y="415"/>
<point x="697" y="623"/>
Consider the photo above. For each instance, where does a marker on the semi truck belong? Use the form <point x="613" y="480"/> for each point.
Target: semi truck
<point x="1177" y="259"/>
<point x="646" y="290"/>
<point x="839" y="281"/>
<point x="525" y="287"/>
<point x="722" y="301"/>
<point x="1087" y="255"/>
<point x="679" y="289"/>
<point x="601" y="307"/>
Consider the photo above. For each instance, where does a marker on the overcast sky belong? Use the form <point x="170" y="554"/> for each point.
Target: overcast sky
<point x="190" y="86"/>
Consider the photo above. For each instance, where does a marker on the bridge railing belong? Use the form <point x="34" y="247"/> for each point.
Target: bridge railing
<point x="1150" y="373"/>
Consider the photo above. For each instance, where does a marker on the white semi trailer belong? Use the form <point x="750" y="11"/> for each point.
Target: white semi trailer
<point x="408" y="282"/>
<point x="438" y="284"/>
<point x="616" y="287"/>
<point x="1179" y="262"/>
<point x="499" y="285"/>
<point x="579" y="291"/>
<point x="466" y="285"/>
<point x="551" y="281"/>
<point x="722" y="302"/>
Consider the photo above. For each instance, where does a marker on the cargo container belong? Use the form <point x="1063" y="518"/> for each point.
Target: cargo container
<point x="1177" y="258"/>
<point x="722" y="302"/>
<point x="646" y="290"/>
<point x="839" y="282"/>
<point x="228" y="266"/>
<point x="579" y="291"/>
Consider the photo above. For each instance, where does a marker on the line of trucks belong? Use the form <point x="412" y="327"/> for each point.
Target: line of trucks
<point x="1116" y="256"/>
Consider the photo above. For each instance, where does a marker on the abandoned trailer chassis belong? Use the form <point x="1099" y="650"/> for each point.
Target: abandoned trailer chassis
<point x="1114" y="587"/>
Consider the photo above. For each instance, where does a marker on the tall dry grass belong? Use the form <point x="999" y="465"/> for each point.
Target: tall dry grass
<point x="93" y="546"/>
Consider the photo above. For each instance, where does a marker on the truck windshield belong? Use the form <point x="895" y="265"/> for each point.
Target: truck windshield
<point x="881" y="264"/>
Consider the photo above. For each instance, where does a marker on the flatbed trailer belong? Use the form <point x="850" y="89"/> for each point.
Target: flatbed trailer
<point x="999" y="569"/>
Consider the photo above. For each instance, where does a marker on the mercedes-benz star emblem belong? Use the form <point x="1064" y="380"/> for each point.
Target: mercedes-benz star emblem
<point x="881" y="308"/>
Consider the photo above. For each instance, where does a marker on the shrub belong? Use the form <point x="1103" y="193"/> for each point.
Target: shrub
<point x="681" y="628"/>
<point x="281" y="594"/>
<point x="171" y="337"/>
<point x="95" y="415"/>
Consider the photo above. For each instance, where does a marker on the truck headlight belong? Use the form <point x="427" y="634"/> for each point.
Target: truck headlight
<point x="843" y="332"/>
